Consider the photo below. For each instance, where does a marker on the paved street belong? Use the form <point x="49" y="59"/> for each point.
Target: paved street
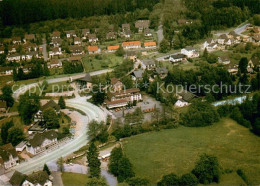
<point x="25" y="88"/>
<point x="44" y="50"/>
<point x="9" y="114"/>
<point x="93" y="113"/>
<point x="160" y="34"/>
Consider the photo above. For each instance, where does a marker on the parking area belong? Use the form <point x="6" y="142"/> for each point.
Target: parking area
<point x="147" y="106"/>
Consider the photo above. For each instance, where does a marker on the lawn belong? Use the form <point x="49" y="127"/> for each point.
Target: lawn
<point x="93" y="63"/>
<point x="71" y="179"/>
<point x="177" y="150"/>
<point x="4" y="80"/>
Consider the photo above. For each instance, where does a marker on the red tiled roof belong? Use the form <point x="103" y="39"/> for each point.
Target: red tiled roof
<point x="92" y="48"/>
<point x="115" y="47"/>
<point x="131" y="43"/>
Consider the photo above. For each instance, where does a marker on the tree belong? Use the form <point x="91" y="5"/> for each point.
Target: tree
<point x="137" y="181"/>
<point x="188" y="180"/>
<point x="93" y="161"/>
<point x="4" y="131"/>
<point x="62" y="103"/>
<point x="207" y="169"/>
<point x="7" y="95"/>
<point x="15" y="136"/>
<point x="120" y="51"/>
<point x="94" y="129"/>
<point x="46" y="168"/>
<point x="28" y="106"/>
<point x="51" y="118"/>
<point x="127" y="82"/>
<point x="205" y="53"/>
<point x="164" y="46"/>
<point x="243" y="63"/>
<point x="46" y="71"/>
<point x="170" y="179"/>
<point x="125" y="169"/>
<point x="200" y="114"/>
<point x="60" y="164"/>
<point x="15" y="74"/>
<point x="116" y="155"/>
<point x="98" y="96"/>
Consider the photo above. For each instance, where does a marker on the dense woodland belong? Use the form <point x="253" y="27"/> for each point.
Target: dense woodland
<point x="16" y="12"/>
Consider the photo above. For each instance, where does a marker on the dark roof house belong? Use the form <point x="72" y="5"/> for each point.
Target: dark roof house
<point x="51" y="104"/>
<point x="39" y="138"/>
<point x="17" y="178"/>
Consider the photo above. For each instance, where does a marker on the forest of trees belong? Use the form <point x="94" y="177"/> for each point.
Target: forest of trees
<point x="16" y="12"/>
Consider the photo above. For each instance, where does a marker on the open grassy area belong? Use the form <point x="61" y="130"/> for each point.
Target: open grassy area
<point x="94" y="63"/>
<point x="71" y="179"/>
<point x="4" y="80"/>
<point x="177" y="150"/>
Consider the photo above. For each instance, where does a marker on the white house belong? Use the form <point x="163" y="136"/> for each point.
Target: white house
<point x="40" y="178"/>
<point x="70" y="33"/>
<point x="177" y="58"/>
<point x="13" y="57"/>
<point x="181" y="103"/>
<point x="131" y="45"/>
<point x="8" y="156"/>
<point x="55" y="51"/>
<point x="92" y="38"/>
<point x="207" y="43"/>
<point x="41" y="141"/>
<point x="224" y="60"/>
<point x="55" y="63"/>
<point x="148" y="64"/>
<point x="190" y="52"/>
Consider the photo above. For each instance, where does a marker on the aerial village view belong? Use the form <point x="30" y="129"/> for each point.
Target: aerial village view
<point x="129" y="92"/>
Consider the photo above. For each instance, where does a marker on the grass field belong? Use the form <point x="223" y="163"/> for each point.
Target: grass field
<point x="91" y="63"/>
<point x="4" y="80"/>
<point x="177" y="150"/>
<point x="73" y="179"/>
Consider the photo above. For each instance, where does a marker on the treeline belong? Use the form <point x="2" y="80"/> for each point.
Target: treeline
<point x="246" y="114"/>
<point x="16" y="12"/>
<point x="37" y="68"/>
<point x="71" y="68"/>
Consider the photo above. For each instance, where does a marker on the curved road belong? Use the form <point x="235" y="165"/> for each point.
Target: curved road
<point x="93" y="113"/>
<point x="22" y="89"/>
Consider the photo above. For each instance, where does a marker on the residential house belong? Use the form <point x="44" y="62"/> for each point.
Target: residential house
<point x="8" y="156"/>
<point x="150" y="45"/>
<point x="29" y="37"/>
<point x="41" y="141"/>
<point x="123" y="98"/>
<point x="70" y="33"/>
<point x="162" y="72"/>
<point x="181" y="103"/>
<point x="50" y="104"/>
<point x="6" y="71"/>
<point x="40" y="178"/>
<point x="177" y="58"/>
<point x="127" y="33"/>
<point x="223" y="39"/>
<point x="84" y="33"/>
<point x="147" y="32"/>
<point x="30" y="55"/>
<point x="55" y="35"/>
<point x="113" y="48"/>
<point x="116" y="85"/>
<point x="12" y="48"/>
<point x="224" y="60"/>
<point x="85" y="82"/>
<point x="148" y="64"/>
<point x="30" y="47"/>
<point x="137" y="75"/>
<point x="17" y="178"/>
<point x="186" y="96"/>
<point x="131" y="45"/>
<point x="37" y="127"/>
<point x="54" y="63"/>
<point x="77" y="41"/>
<point x="190" y="52"/>
<point x="92" y="38"/>
<point x="17" y="40"/>
<point x="55" y="51"/>
<point x="132" y="55"/>
<point x="111" y="36"/>
<point x="212" y="47"/>
<point x="232" y="68"/>
<point x="125" y="27"/>
<point x="13" y="57"/>
<point x="76" y="50"/>
<point x="27" y="68"/>
<point x="235" y="36"/>
<point x="2" y="49"/>
<point x="75" y="58"/>
<point x="142" y="25"/>
<point x="21" y="146"/>
<point x="93" y="50"/>
<point x="256" y="39"/>
<point x="207" y="43"/>
<point x="3" y="106"/>
<point x="56" y="42"/>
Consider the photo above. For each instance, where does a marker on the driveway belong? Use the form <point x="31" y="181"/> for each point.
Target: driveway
<point x="160" y="34"/>
<point x="93" y="113"/>
<point x="44" y="50"/>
